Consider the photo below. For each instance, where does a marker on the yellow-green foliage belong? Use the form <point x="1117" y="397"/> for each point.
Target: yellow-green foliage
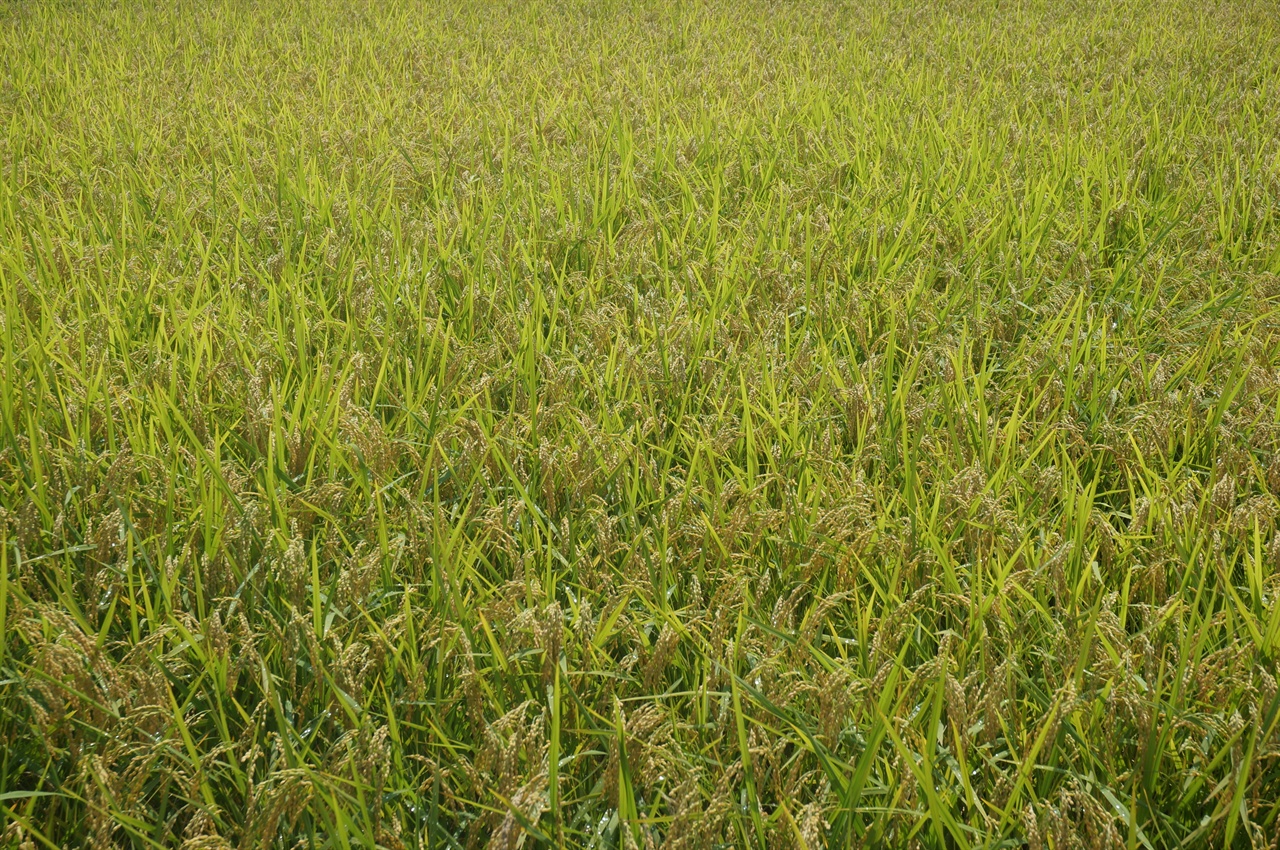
<point x="637" y="424"/>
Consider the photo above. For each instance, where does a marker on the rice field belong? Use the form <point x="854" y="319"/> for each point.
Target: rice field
<point x="639" y="424"/>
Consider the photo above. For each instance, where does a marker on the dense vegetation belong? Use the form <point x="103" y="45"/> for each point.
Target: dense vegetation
<point x="638" y="424"/>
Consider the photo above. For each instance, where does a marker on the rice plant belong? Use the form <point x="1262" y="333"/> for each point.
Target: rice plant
<point x="631" y="423"/>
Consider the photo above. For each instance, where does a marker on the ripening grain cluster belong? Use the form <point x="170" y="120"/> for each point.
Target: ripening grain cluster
<point x="639" y="424"/>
